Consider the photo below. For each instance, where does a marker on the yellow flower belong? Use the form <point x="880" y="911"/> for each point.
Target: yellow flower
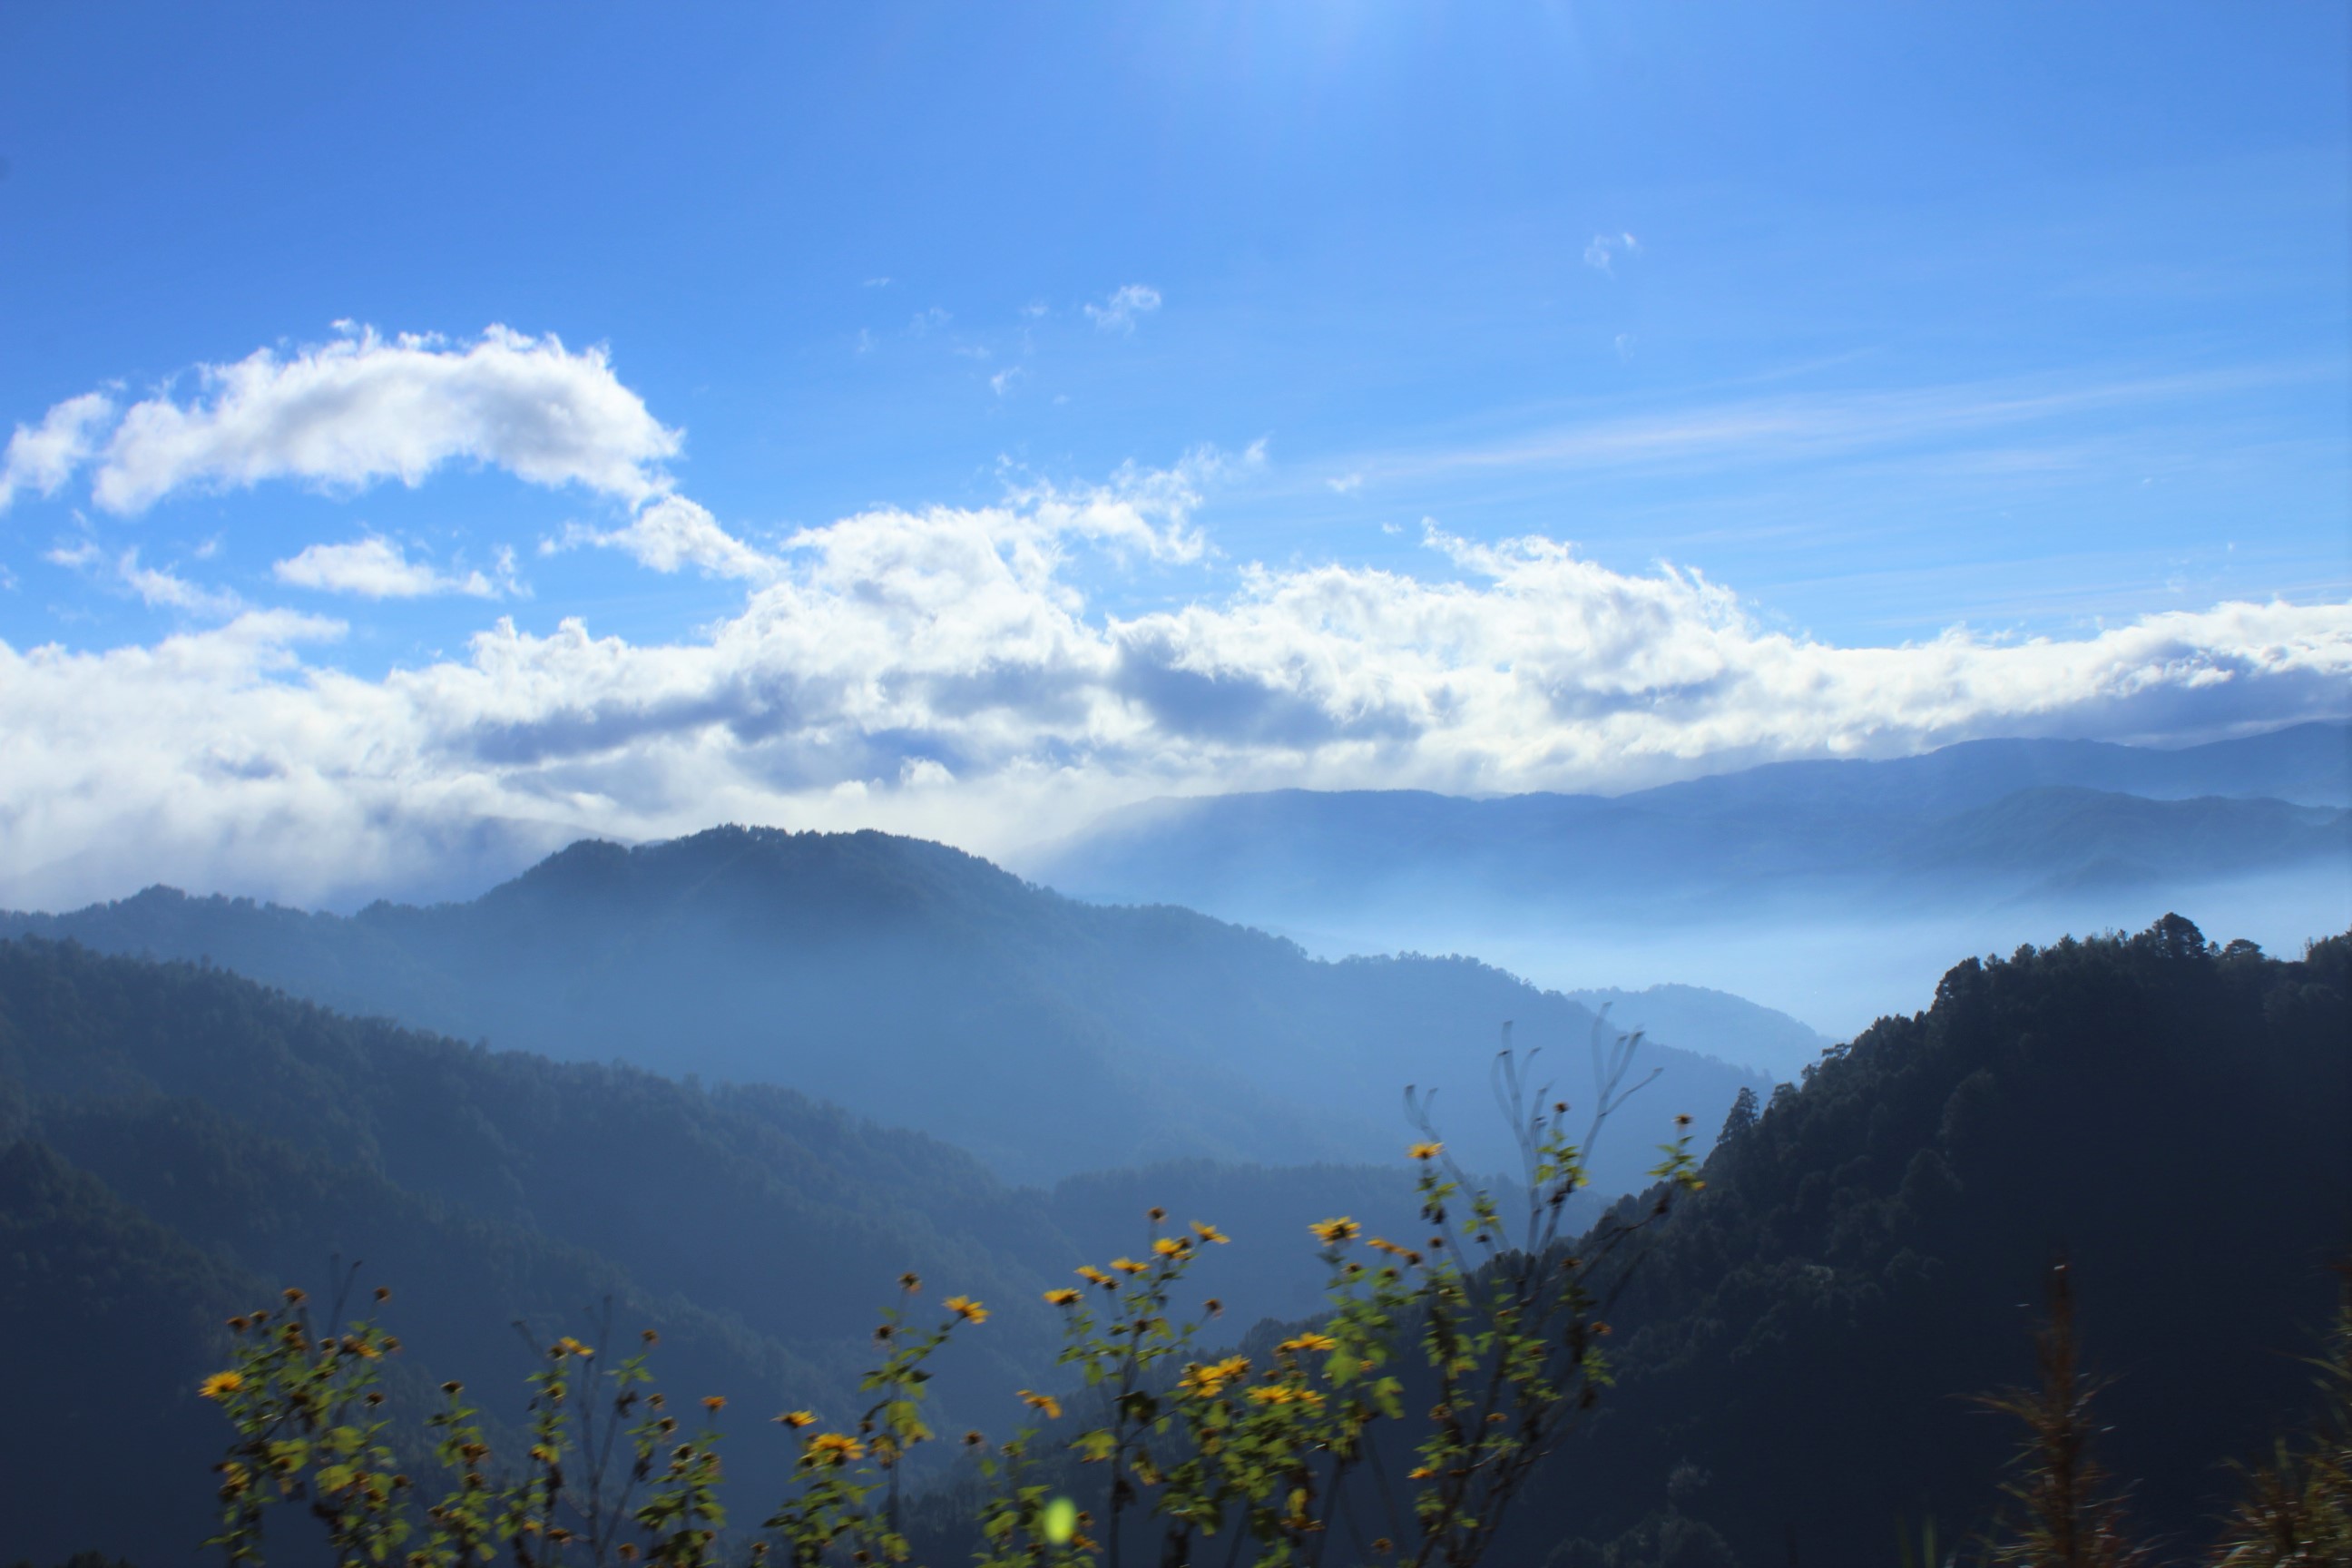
<point x="1062" y="1297"/>
<point x="970" y="1310"/>
<point x="1169" y="1247"/>
<point x="1045" y="1404"/>
<point x="714" y="1402"/>
<point x="1283" y="1394"/>
<point x="1419" y="1473"/>
<point x="221" y="1384"/>
<point x="1093" y="1275"/>
<point x="830" y="1450"/>
<point x="567" y="1345"/>
<point x="1208" y="1232"/>
<point x="1331" y="1232"/>
<point x="1309" y="1341"/>
<point x="1208" y="1380"/>
<point x="1198" y="1379"/>
<point x="796" y="1419"/>
<point x="1130" y="1266"/>
<point x="1427" y="1151"/>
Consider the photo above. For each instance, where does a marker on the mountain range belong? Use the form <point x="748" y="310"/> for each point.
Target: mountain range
<point x="925" y="988"/>
<point x="1741" y="880"/>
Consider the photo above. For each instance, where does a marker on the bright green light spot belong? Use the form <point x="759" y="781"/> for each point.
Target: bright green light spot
<point x="1061" y="1521"/>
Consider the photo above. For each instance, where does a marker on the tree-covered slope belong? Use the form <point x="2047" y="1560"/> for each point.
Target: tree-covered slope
<point x="1803" y="1341"/>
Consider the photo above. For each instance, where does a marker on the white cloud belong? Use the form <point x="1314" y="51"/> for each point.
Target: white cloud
<point x="1346" y="484"/>
<point x="1602" y="251"/>
<point x="674" y="532"/>
<point x="941" y="671"/>
<point x="154" y="586"/>
<point x="378" y="568"/>
<point x="362" y="409"/>
<point x="1118" y="314"/>
<point x="44" y="457"/>
<point x="1001" y="381"/>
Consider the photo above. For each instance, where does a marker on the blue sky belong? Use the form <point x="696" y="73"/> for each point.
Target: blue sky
<point x="1850" y="378"/>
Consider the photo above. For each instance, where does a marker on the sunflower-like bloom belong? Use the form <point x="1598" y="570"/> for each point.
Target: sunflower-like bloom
<point x="1130" y="1266"/>
<point x="830" y="1450"/>
<point x="1427" y="1151"/>
<point x="567" y="1345"/>
<point x="796" y="1419"/>
<point x="221" y="1384"/>
<point x="1283" y="1394"/>
<point x="1044" y="1403"/>
<point x="1209" y="1233"/>
<point x="965" y="1308"/>
<point x="1308" y="1341"/>
<point x="1331" y="1232"/>
<point x="1092" y="1275"/>
<point x="1207" y="1380"/>
<point x="1064" y="1297"/>
<point x="1171" y="1247"/>
<point x="714" y="1402"/>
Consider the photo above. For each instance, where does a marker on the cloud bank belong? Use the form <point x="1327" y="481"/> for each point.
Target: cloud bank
<point x="939" y="672"/>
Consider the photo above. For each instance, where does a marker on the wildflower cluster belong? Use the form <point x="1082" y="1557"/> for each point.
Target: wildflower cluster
<point x="310" y="1430"/>
<point x="1280" y="1449"/>
<point x="1283" y="1449"/>
<point x="848" y="1488"/>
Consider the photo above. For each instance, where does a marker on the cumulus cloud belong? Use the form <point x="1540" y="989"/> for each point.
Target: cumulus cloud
<point x="942" y="671"/>
<point x="378" y="568"/>
<point x="672" y="533"/>
<point x="1118" y="314"/>
<point x="360" y="410"/>
<point x="44" y="457"/>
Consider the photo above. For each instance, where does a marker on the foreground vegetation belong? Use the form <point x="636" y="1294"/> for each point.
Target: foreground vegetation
<point x="1283" y="1451"/>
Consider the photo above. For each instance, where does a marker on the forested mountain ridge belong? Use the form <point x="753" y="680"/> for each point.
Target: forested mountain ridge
<point x="924" y="988"/>
<point x="1801" y="1345"/>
